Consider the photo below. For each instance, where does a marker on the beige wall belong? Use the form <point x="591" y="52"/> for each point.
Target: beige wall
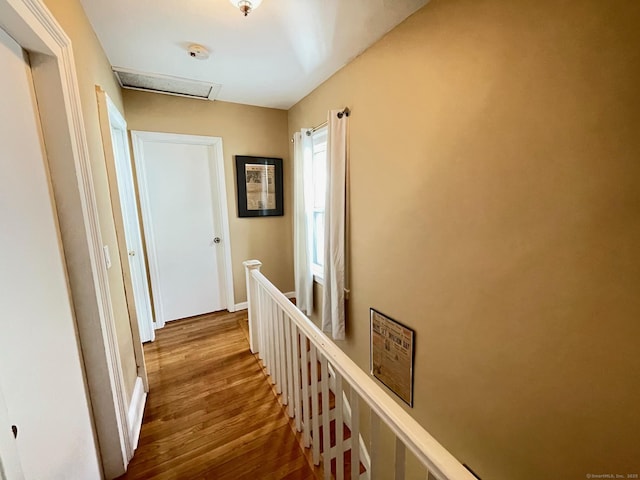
<point x="495" y="204"/>
<point x="245" y="130"/>
<point x="93" y="69"/>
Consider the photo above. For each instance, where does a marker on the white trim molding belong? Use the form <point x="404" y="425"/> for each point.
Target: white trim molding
<point x="136" y="412"/>
<point x="241" y="306"/>
<point x="245" y="305"/>
<point x="31" y="24"/>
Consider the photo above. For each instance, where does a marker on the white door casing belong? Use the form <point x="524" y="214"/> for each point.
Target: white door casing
<point x="34" y="28"/>
<point x="41" y="373"/>
<point x="131" y="250"/>
<point x="184" y="211"/>
<point x="125" y="214"/>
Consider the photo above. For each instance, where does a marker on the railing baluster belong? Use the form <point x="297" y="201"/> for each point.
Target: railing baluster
<point x="400" y="459"/>
<point x="284" y="366"/>
<point x="257" y="315"/>
<point x="260" y="293"/>
<point x="338" y="393"/>
<point x="281" y="356"/>
<point x="272" y="342"/>
<point x="264" y="328"/>
<point x="266" y="315"/>
<point x="315" y="414"/>
<point x="276" y="354"/>
<point x="284" y="348"/>
<point x="374" y="454"/>
<point x="263" y="320"/>
<point x="295" y="353"/>
<point x="355" y="435"/>
<point x="277" y="332"/>
<point x="326" y="417"/>
<point x="288" y="340"/>
<point x="306" y="409"/>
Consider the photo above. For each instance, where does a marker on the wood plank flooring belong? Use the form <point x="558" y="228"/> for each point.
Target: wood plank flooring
<point x="211" y="413"/>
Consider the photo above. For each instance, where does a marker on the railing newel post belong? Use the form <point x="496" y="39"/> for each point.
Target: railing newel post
<point x="252" y="304"/>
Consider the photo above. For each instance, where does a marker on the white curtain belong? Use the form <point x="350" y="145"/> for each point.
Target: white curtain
<point x="334" y="226"/>
<point x="302" y="206"/>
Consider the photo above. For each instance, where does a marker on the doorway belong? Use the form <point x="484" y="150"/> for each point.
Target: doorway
<point x="184" y="210"/>
<point x="125" y="206"/>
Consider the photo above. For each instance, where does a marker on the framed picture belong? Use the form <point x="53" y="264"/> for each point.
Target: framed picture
<point x="259" y="181"/>
<point x="392" y="352"/>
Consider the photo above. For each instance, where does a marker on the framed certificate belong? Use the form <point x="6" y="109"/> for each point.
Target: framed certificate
<point x="259" y="182"/>
<point x="392" y="352"/>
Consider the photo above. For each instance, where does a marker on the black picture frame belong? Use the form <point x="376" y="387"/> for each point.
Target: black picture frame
<point x="254" y="199"/>
<point x="392" y="354"/>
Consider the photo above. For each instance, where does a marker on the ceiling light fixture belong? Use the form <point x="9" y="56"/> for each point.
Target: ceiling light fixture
<point x="246" y="6"/>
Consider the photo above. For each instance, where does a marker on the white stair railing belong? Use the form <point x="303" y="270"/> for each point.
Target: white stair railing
<point x="292" y="350"/>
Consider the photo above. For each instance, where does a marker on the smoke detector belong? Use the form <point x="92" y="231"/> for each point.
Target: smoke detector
<point x="198" y="51"/>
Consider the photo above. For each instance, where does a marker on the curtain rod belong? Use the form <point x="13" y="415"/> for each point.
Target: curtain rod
<point x="343" y="113"/>
<point x="316" y="128"/>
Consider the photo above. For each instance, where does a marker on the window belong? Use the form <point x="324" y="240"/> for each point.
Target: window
<point x="318" y="180"/>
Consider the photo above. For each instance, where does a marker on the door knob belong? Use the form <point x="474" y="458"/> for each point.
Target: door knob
<point x="132" y="253"/>
<point x="216" y="240"/>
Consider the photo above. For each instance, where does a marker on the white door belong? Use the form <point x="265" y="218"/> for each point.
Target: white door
<point x="41" y="379"/>
<point x="181" y="199"/>
<point x="129" y="209"/>
<point x="10" y="467"/>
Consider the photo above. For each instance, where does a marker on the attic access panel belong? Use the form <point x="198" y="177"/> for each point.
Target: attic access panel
<point x="166" y="84"/>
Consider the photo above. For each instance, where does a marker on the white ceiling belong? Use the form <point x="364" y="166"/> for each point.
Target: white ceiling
<point x="273" y="57"/>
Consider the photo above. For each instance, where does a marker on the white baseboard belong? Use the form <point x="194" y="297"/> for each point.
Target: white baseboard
<point x="244" y="305"/>
<point x="136" y="412"/>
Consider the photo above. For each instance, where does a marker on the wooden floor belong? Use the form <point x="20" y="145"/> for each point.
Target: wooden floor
<point x="211" y="413"/>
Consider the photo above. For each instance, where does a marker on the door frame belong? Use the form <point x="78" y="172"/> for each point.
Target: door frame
<point x="110" y="118"/>
<point x="35" y="29"/>
<point x="138" y="139"/>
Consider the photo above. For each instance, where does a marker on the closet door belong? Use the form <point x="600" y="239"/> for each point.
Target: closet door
<point x="44" y="403"/>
